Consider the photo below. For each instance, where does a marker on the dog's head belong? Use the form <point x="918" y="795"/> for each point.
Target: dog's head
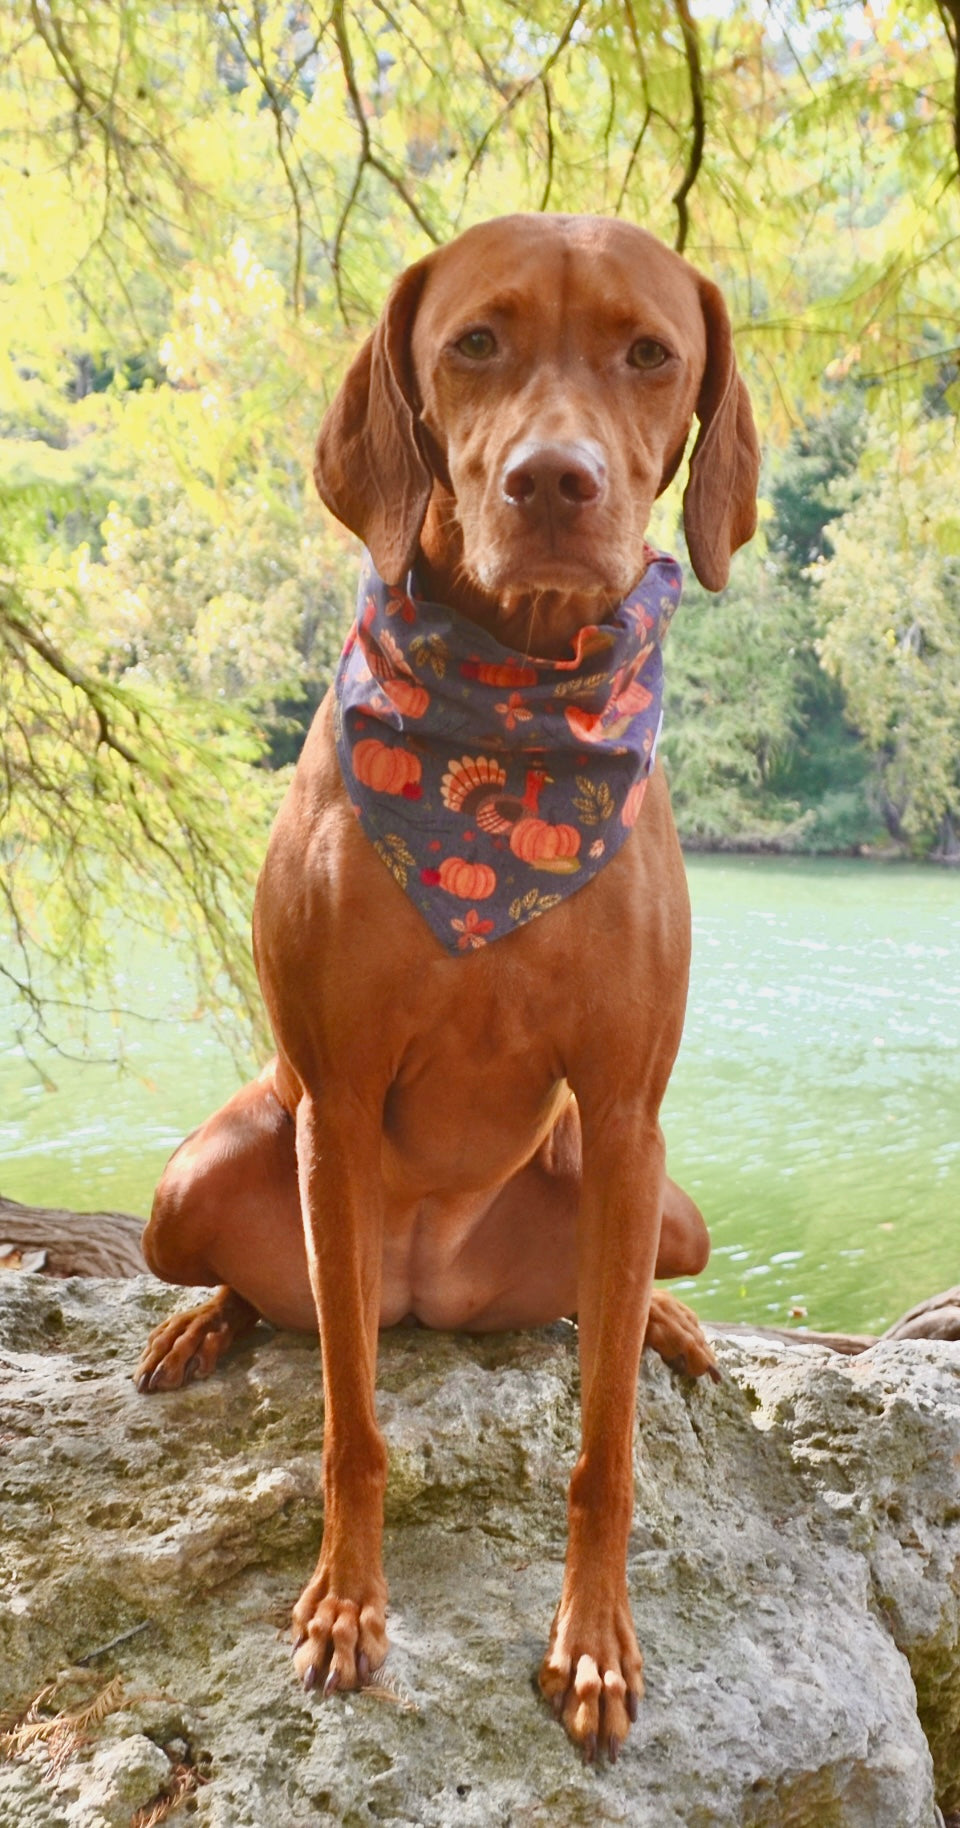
<point x="526" y="394"/>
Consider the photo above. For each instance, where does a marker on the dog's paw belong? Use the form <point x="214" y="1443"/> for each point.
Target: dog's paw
<point x="592" y="1677"/>
<point x="339" y="1640"/>
<point x="674" y="1331"/>
<point x="188" y="1346"/>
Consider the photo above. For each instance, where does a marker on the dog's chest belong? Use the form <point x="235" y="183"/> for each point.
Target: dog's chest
<point x="479" y="1078"/>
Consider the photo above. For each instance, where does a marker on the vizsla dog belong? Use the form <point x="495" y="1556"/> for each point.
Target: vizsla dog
<point x="467" y="1133"/>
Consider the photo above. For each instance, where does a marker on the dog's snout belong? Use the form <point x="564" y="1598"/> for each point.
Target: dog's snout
<point x="544" y="478"/>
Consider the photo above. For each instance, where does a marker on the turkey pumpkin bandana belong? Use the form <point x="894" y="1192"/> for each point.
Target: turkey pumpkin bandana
<point x="493" y="784"/>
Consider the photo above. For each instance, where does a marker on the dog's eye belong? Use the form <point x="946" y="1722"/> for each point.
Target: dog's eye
<point x="477" y="344"/>
<point x="646" y="352"/>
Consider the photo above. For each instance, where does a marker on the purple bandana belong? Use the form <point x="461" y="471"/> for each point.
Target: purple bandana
<point x="492" y="784"/>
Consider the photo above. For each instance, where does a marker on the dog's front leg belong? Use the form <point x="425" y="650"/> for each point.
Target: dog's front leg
<point x="593" y="1671"/>
<point x="340" y="1619"/>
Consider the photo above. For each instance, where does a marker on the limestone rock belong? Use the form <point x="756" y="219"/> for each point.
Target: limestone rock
<point x="794" y="1569"/>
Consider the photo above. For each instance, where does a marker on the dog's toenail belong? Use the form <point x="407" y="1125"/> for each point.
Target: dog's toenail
<point x="633" y="1704"/>
<point x="363" y="1669"/>
<point x="331" y="1684"/>
<point x="310" y="1678"/>
<point x="613" y="1748"/>
<point x="590" y="1748"/>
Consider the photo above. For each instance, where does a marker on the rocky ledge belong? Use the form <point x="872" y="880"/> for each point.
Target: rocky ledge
<point x="794" y="1569"/>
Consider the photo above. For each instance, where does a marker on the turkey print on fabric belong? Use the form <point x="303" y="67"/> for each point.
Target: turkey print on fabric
<point x="492" y="783"/>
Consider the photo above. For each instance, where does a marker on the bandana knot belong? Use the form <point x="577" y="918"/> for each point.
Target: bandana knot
<point x="492" y="784"/>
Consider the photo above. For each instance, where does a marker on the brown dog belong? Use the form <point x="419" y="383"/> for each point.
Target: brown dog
<point x="476" y="1136"/>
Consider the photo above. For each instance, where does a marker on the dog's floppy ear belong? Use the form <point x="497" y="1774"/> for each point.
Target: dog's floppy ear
<point x="720" y="500"/>
<point x="369" y="468"/>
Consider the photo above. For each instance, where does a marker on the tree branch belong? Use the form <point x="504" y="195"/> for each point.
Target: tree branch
<point x="523" y="89"/>
<point x="92" y="692"/>
<point x="548" y="105"/>
<point x="634" y="153"/>
<point x="949" y="11"/>
<point x="691" y="46"/>
<point x="368" y="156"/>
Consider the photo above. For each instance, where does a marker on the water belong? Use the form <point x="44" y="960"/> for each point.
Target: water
<point x="814" y="1112"/>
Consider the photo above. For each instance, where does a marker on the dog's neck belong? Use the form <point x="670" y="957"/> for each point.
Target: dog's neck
<point x="543" y="624"/>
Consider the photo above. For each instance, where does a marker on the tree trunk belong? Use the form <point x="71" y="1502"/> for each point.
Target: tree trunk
<point x="948" y="849"/>
<point x="69" y="1243"/>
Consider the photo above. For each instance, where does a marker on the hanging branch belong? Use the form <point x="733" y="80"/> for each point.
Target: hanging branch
<point x="548" y="105"/>
<point x="631" y="162"/>
<point x="368" y="156"/>
<point x="691" y="46"/>
<point x="275" y="105"/>
<point x="521" y="90"/>
<point x="91" y="691"/>
<point x="949" y="11"/>
<point x="98" y="780"/>
<point x="125" y="133"/>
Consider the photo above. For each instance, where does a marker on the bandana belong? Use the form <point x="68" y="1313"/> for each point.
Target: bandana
<point x="493" y="784"/>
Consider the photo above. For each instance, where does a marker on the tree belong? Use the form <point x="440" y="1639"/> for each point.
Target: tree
<point x="114" y="800"/>
<point x="731" y="706"/>
<point x="890" y="599"/>
<point x="202" y="207"/>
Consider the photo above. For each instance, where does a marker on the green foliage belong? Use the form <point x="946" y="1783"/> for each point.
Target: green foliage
<point x="201" y="210"/>
<point x="890" y="599"/>
<point x="116" y="802"/>
<point x="820" y="451"/>
<point x="731" y="707"/>
<point x="756" y="739"/>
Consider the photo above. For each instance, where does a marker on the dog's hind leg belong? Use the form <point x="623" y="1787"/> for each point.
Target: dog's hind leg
<point x="227" y="1213"/>
<point x="673" y="1329"/>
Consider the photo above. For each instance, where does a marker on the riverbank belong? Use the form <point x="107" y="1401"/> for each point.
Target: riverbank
<point x="781" y="845"/>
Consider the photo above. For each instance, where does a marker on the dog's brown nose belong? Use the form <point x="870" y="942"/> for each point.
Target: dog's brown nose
<point x="550" y="479"/>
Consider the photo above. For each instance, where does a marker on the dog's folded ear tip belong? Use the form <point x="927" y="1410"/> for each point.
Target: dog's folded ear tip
<point x="711" y="545"/>
<point x="713" y="575"/>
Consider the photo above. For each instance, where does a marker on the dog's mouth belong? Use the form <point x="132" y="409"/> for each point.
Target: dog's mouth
<point x="576" y="571"/>
<point x="542" y="608"/>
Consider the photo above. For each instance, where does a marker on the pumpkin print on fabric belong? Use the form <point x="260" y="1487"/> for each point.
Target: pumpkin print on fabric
<point x="513" y="673"/>
<point x="477" y="772"/>
<point x="546" y="845"/>
<point x="411" y="699"/>
<point x="470" y="881"/>
<point x="384" y="769"/>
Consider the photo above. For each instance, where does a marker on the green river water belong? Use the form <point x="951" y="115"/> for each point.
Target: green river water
<point x="814" y="1112"/>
